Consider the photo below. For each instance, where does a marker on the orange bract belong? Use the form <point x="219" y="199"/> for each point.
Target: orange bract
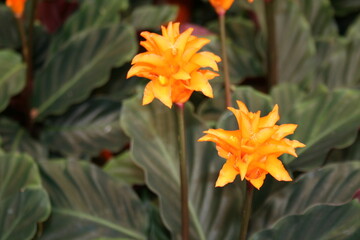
<point x="221" y="6"/>
<point x="174" y="65"/>
<point x="253" y="150"/>
<point x="17" y="6"/>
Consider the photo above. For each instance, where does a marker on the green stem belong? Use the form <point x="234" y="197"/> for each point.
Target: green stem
<point x="246" y="211"/>
<point x="225" y="59"/>
<point x="271" y="46"/>
<point x="183" y="173"/>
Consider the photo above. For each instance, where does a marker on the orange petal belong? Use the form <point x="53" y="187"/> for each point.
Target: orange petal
<point x="258" y="182"/>
<point x="206" y="59"/>
<point x="242" y="107"/>
<point x="136" y="69"/>
<point x="193" y="46"/>
<point x="275" y="167"/>
<point x="150" y="58"/>
<point x="199" y="82"/>
<point x="284" y="130"/>
<point x="182" y="40"/>
<point x="148" y="94"/>
<point x="270" y="119"/>
<point x="227" y="174"/>
<point x="163" y="93"/>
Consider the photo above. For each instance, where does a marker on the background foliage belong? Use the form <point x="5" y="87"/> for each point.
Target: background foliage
<point x="82" y="159"/>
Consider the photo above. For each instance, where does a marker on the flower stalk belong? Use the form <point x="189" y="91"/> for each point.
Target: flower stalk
<point x="183" y="172"/>
<point x="271" y="46"/>
<point x="246" y="212"/>
<point x="225" y="59"/>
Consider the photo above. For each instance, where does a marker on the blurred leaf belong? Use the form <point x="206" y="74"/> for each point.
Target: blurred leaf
<point x="296" y="46"/>
<point x="123" y="168"/>
<point x="91" y="14"/>
<point x="151" y="17"/>
<point x="87" y="204"/>
<point x="9" y="35"/>
<point x="326" y="120"/>
<point x="81" y="66"/>
<point x="320" y="15"/>
<point x="333" y="184"/>
<point x="16" y="139"/>
<point x="86" y="129"/>
<point x="214" y="212"/>
<point x="319" y="222"/>
<point x="12" y="76"/>
<point x="23" y="201"/>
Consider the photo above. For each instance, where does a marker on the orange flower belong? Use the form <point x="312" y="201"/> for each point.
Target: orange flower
<point x="17" y="6"/>
<point x="253" y="150"/>
<point x="173" y="65"/>
<point x="221" y="6"/>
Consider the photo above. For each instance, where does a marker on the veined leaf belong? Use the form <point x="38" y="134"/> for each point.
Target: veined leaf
<point x="320" y="15"/>
<point x="23" y="201"/>
<point x="84" y="64"/>
<point x="149" y="16"/>
<point x="12" y="76"/>
<point x="326" y="120"/>
<point x="16" y="139"/>
<point x="91" y="14"/>
<point x="86" y="129"/>
<point x="333" y="184"/>
<point x="319" y="222"/>
<point x="214" y="212"/>
<point x="124" y="169"/>
<point x="87" y="204"/>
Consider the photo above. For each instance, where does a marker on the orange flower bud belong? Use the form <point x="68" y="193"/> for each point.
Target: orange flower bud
<point x="17" y="6"/>
<point x="221" y="6"/>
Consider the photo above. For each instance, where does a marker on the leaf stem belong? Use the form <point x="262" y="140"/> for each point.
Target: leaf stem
<point x="246" y="211"/>
<point x="224" y="58"/>
<point x="183" y="173"/>
<point x="271" y="46"/>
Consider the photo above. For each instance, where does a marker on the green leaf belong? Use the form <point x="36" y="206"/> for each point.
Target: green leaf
<point x="214" y="212"/>
<point x="86" y="129"/>
<point x="91" y="14"/>
<point x="84" y="64"/>
<point x="296" y="46"/>
<point x="326" y="120"/>
<point x="87" y="204"/>
<point x="9" y="33"/>
<point x="23" y="201"/>
<point x="16" y="139"/>
<point x="151" y="17"/>
<point x="320" y="15"/>
<point x="123" y="168"/>
<point x="12" y="76"/>
<point x="319" y="222"/>
<point x="333" y="184"/>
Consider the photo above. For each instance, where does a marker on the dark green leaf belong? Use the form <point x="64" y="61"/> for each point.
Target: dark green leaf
<point x="16" y="139"/>
<point x="327" y="120"/>
<point x="319" y="222"/>
<point x="91" y="14"/>
<point x="87" y="204"/>
<point x="151" y="17"/>
<point x="333" y="184"/>
<point x="23" y="201"/>
<point x="86" y="129"/>
<point x="12" y="76"/>
<point x="81" y="66"/>
<point x="124" y="169"/>
<point x="214" y="212"/>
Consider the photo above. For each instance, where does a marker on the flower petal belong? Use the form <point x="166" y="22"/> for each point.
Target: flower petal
<point x="270" y="119"/>
<point x="227" y="174"/>
<point x="275" y="167"/>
